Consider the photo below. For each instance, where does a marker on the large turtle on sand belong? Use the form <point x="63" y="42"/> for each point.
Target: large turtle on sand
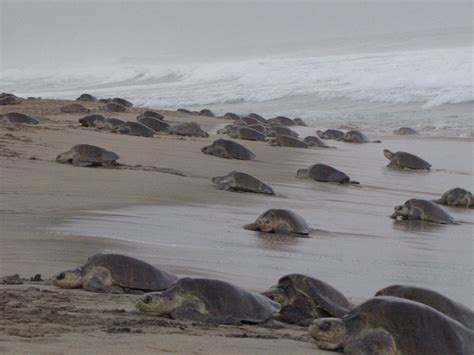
<point x="278" y="130"/>
<point x="189" y="129"/>
<point x="404" y="160"/>
<point x="325" y="173"/>
<point x="88" y="155"/>
<point x="279" y="221"/>
<point x="17" y="118"/>
<point x="115" y="107"/>
<point x="122" y="102"/>
<point x="87" y="97"/>
<point x="285" y="121"/>
<point x="303" y="299"/>
<point x="73" y="108"/>
<point x="456" y="197"/>
<point x="238" y="181"/>
<point x="209" y="301"/>
<point x="109" y="124"/>
<point x="247" y="134"/>
<point x="135" y="129"/>
<point x="89" y="120"/>
<point x="247" y="120"/>
<point x="228" y="149"/>
<point x="288" y="141"/>
<point x="422" y="210"/>
<point x="431" y="298"/>
<point x="153" y="114"/>
<point x="258" y="117"/>
<point x="414" y="328"/>
<point x="115" y="273"/>
<point x="154" y="123"/>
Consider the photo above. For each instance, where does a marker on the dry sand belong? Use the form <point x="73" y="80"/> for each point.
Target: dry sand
<point x="47" y="227"/>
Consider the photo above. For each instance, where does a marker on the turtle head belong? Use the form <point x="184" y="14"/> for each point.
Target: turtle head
<point x="388" y="154"/>
<point x="163" y="303"/>
<point x="329" y="333"/>
<point x="70" y="279"/>
<point x="65" y="157"/>
<point x="302" y="173"/>
<point x="207" y="149"/>
<point x="400" y="212"/>
<point x="282" y="292"/>
<point x="321" y="134"/>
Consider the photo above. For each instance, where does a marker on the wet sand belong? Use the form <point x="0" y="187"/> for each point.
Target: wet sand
<point x="55" y="216"/>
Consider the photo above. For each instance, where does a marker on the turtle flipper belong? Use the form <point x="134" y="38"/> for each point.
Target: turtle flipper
<point x="100" y="280"/>
<point x="377" y="342"/>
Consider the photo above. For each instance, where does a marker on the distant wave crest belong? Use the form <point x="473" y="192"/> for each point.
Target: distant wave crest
<point x="429" y="77"/>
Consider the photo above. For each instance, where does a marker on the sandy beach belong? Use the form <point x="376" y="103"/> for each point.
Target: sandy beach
<point x="54" y="216"/>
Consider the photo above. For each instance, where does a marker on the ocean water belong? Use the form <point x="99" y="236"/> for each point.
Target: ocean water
<point x="371" y="63"/>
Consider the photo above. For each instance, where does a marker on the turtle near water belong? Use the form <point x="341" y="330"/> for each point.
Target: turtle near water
<point x="330" y="134"/>
<point x="280" y="221"/>
<point x="404" y="160"/>
<point x="109" y="124"/>
<point x="122" y="102"/>
<point x="209" y="301"/>
<point x="88" y="155"/>
<point x="303" y="299"/>
<point x="436" y="300"/>
<point x="238" y="181"/>
<point x="356" y="137"/>
<point x="87" y="97"/>
<point x="89" y="120"/>
<point x="134" y="129"/>
<point x="228" y="149"/>
<point x="325" y="173"/>
<point x="115" y="273"/>
<point x="456" y="197"/>
<point x="288" y="141"/>
<point x="421" y="210"/>
<point x="247" y="133"/>
<point x="74" y="108"/>
<point x="405" y="131"/>
<point x="392" y="325"/>
<point x="313" y="141"/>
<point x="154" y="123"/>
<point x="189" y="129"/>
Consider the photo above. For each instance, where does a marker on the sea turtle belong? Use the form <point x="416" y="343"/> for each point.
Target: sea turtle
<point x="153" y="114"/>
<point x="431" y="298"/>
<point x="247" y="120"/>
<point x="87" y="97"/>
<point x="356" y="137"/>
<point x="249" y="134"/>
<point x="134" y="129"/>
<point x="89" y="120"/>
<point x="123" y="102"/>
<point x="258" y="127"/>
<point x="404" y="160"/>
<point x="421" y="210"/>
<point x="303" y="299"/>
<point x="206" y="112"/>
<point x="280" y="222"/>
<point x="405" y="131"/>
<point x="228" y="149"/>
<point x="288" y="141"/>
<point x="154" y="123"/>
<point x="114" y="107"/>
<point x="279" y="130"/>
<point x="184" y="110"/>
<point x="313" y="141"/>
<point x="115" y="273"/>
<point x="9" y="99"/>
<point x="231" y="116"/>
<point x="109" y="124"/>
<point x="456" y="197"/>
<point x="230" y="128"/>
<point x="88" y="155"/>
<point x="325" y="173"/>
<point x="74" y="108"/>
<point x="209" y="301"/>
<point x="258" y="117"/>
<point x="189" y="129"/>
<point x="284" y="121"/>
<point x="17" y="118"/>
<point x="330" y="134"/>
<point x="238" y="181"/>
<point x="300" y="122"/>
<point x="415" y="329"/>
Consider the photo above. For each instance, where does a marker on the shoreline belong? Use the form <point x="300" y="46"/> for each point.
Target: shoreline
<point x="39" y="195"/>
